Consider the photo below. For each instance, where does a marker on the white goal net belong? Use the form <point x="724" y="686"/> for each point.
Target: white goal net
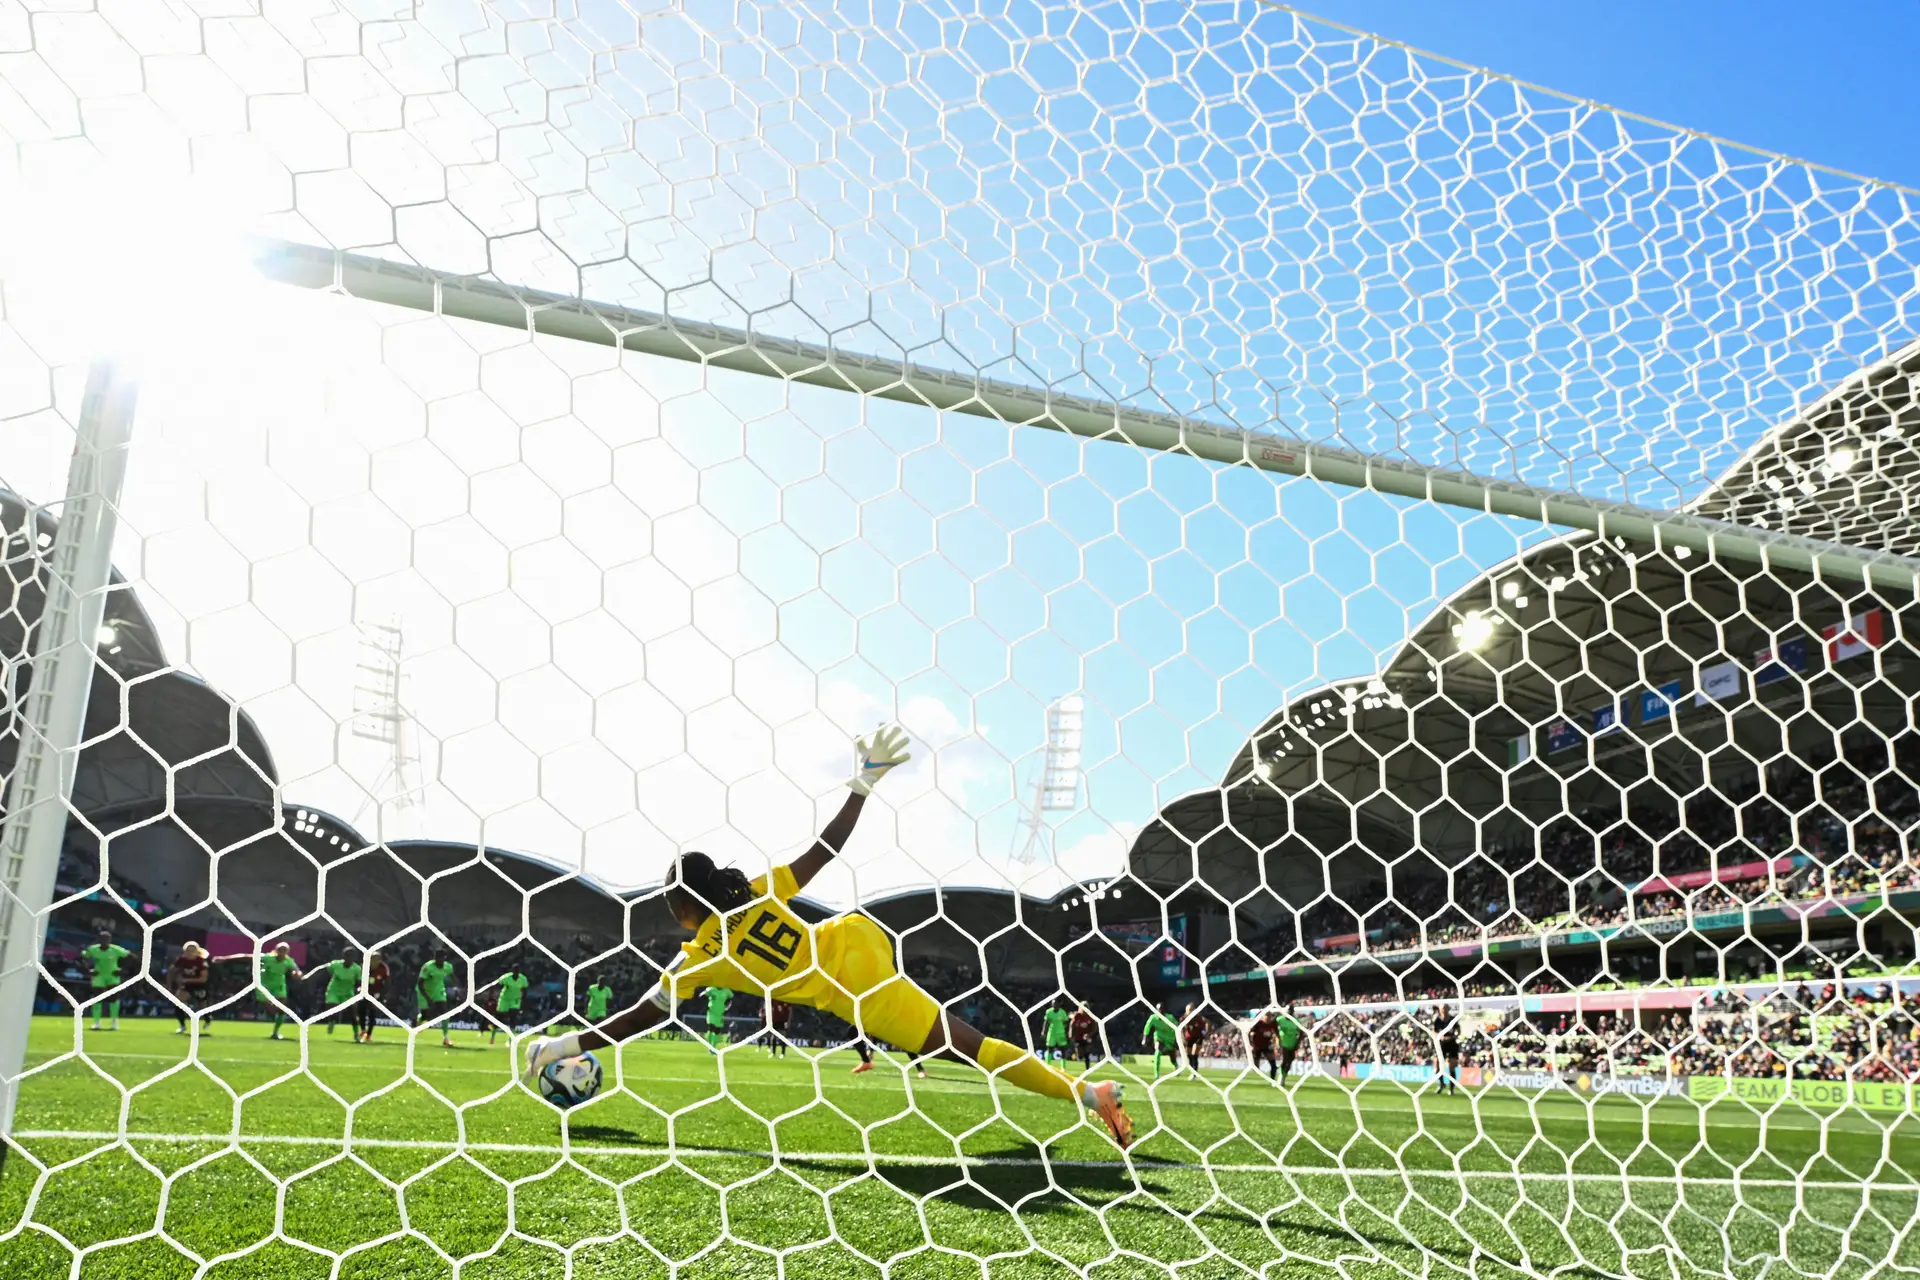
<point x="1398" y="583"/>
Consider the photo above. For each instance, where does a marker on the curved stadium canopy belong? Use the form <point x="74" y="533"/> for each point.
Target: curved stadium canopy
<point x="1349" y="778"/>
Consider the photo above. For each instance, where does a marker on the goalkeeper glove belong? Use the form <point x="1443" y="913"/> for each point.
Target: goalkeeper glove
<point x="884" y="750"/>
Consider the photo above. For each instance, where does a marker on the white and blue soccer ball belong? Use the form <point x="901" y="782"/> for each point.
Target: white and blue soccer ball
<point x="570" y="1081"/>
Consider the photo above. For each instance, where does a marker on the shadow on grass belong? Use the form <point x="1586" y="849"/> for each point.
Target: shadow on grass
<point x="1032" y="1188"/>
<point x="609" y="1136"/>
<point x="1015" y="1179"/>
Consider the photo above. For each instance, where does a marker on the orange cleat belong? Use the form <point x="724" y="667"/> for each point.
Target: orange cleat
<point x="863" y="1066"/>
<point x="1103" y="1099"/>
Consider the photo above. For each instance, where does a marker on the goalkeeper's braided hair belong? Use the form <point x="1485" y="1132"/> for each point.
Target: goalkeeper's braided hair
<point x="717" y="889"/>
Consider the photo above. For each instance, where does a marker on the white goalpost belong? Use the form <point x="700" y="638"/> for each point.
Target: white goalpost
<point x="48" y="730"/>
<point x="1405" y="640"/>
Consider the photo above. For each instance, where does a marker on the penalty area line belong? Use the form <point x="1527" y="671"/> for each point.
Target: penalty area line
<point x="905" y="1159"/>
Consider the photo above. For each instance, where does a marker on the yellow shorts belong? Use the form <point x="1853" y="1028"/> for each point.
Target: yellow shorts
<point x="863" y="987"/>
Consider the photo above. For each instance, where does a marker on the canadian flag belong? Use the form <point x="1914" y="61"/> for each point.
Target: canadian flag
<point x="1861" y="632"/>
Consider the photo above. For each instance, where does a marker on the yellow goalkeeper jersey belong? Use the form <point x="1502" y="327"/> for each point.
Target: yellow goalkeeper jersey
<point x="844" y="965"/>
<point x="762" y="948"/>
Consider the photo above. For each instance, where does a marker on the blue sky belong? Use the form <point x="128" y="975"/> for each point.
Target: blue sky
<point x="1237" y="216"/>
<point x="1820" y="82"/>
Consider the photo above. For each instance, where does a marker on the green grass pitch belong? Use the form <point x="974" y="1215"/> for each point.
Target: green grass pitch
<point x="452" y="1170"/>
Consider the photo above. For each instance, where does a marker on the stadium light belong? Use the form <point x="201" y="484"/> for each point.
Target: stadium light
<point x="1475" y="630"/>
<point x="1840" y="460"/>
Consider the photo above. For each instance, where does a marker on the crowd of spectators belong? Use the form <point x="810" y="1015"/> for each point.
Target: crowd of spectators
<point x="1806" y="1031"/>
<point x="1594" y="869"/>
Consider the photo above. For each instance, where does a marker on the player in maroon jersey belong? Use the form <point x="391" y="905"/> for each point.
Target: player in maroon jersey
<point x="1084" y="1031"/>
<point x="378" y="975"/>
<point x="1193" y="1036"/>
<point x="187" y="977"/>
<point x="1262" y="1037"/>
<point x="779" y="1014"/>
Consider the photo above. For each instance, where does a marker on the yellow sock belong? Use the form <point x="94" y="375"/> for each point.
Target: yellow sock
<point x="1019" y="1068"/>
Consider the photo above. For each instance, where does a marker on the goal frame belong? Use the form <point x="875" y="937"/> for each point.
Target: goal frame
<point x="51" y="723"/>
<point x="488" y="301"/>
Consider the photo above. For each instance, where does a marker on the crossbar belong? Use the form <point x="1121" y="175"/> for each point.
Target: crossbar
<point x="652" y="333"/>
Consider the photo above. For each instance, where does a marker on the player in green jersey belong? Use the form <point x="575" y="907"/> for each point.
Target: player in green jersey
<point x="507" y="1012"/>
<point x="274" y="968"/>
<point x="106" y="957"/>
<point x="1162" y="1034"/>
<point x="1290" y="1031"/>
<point x="430" y="994"/>
<point x="599" y="998"/>
<point x="343" y="992"/>
<point x="1058" y="1020"/>
<point x="717" y="998"/>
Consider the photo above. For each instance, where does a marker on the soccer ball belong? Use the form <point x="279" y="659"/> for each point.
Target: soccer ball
<point x="570" y="1081"/>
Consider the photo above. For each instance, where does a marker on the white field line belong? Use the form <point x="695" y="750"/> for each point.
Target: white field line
<point x="878" y="1159"/>
<point x="1610" y="1110"/>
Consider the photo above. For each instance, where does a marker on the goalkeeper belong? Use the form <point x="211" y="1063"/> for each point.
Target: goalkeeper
<point x="746" y="937"/>
<point x="1164" y="1036"/>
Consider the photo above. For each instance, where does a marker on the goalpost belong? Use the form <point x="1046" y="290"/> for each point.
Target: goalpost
<point x="1485" y="604"/>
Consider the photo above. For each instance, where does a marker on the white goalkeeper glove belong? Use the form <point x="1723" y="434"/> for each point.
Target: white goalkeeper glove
<point x="883" y="750"/>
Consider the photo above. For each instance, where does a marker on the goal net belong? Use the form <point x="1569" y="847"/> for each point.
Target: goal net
<point x="1398" y="584"/>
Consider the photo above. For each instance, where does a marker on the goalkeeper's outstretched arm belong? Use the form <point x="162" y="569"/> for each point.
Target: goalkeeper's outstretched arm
<point x="879" y="755"/>
<point x="638" y="1020"/>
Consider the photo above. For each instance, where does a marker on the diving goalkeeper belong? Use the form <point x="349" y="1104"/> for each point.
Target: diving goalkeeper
<point x="746" y="938"/>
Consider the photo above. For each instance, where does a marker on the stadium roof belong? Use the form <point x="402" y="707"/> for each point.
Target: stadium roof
<point x="1845" y="469"/>
<point x="26" y="534"/>
<point x="1416" y="755"/>
<point x="184" y="741"/>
